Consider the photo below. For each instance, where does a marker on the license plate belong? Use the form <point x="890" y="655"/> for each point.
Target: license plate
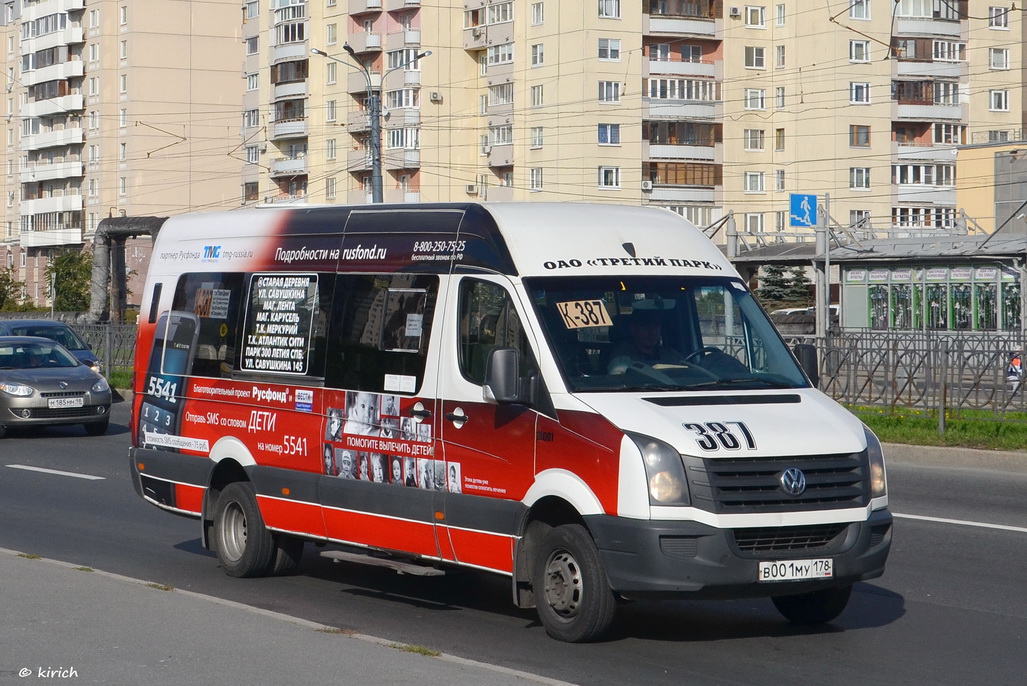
<point x="59" y="403"/>
<point x="796" y="570"/>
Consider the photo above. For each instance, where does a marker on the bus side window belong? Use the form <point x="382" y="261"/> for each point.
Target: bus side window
<point x="488" y="319"/>
<point x="215" y="299"/>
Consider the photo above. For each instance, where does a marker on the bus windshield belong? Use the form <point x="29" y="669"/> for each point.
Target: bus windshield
<point x="655" y="333"/>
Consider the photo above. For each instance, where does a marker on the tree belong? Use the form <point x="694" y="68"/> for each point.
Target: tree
<point x="773" y="285"/>
<point x="798" y="286"/>
<point x="71" y="274"/>
<point x="10" y="290"/>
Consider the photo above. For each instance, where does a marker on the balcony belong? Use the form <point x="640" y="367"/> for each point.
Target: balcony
<point x="356" y="82"/>
<point x="401" y="158"/>
<point x="299" y="198"/>
<point x="398" y="195"/>
<point x="500" y="155"/>
<point x="289" y="166"/>
<point x="917" y="26"/>
<point x="294" y="89"/>
<point x="289" y="128"/>
<point x="63" y="203"/>
<point x="52" y="139"/>
<point x="288" y="51"/>
<point x="951" y="70"/>
<point x="395" y="5"/>
<point x="924" y="194"/>
<point x="47" y="172"/>
<point x="403" y="117"/>
<point x="680" y="109"/>
<point x="60" y="105"/>
<point x="70" y="36"/>
<point x="364" y="6"/>
<point x="925" y="153"/>
<point x="706" y="153"/>
<point x="687" y="26"/>
<point x="47" y="239"/>
<point x="682" y="194"/>
<point x="55" y="72"/>
<point x="702" y="69"/>
<point x="475" y="38"/>
<point x="357" y="121"/>
<point x="33" y="11"/>
<point x="358" y="160"/>
<point x="928" y="112"/>
<point x="361" y="41"/>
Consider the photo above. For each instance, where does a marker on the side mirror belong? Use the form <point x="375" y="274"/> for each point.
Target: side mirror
<point x="806" y="354"/>
<point x="502" y="377"/>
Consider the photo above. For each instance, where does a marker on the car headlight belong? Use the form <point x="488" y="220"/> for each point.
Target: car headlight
<point x="96" y="366"/>
<point x="664" y="472"/>
<point x="878" y="476"/>
<point x="16" y="389"/>
<point x="100" y="386"/>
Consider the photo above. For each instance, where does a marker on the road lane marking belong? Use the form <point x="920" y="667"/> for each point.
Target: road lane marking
<point x="943" y="520"/>
<point x="57" y="472"/>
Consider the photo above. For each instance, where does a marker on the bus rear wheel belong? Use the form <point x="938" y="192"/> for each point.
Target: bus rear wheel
<point x="572" y="593"/>
<point x="244" y="545"/>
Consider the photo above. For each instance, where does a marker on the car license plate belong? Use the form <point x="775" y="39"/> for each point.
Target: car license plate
<point x="796" y="570"/>
<point x="59" y="403"/>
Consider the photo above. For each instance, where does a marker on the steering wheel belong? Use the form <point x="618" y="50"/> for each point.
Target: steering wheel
<point x="697" y="356"/>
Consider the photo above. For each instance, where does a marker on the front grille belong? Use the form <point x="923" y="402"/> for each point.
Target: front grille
<point x="753" y="485"/>
<point x="64" y="412"/>
<point x="62" y="394"/>
<point x="787" y="539"/>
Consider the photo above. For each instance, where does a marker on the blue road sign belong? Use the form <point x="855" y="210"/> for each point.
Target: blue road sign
<point x="803" y="210"/>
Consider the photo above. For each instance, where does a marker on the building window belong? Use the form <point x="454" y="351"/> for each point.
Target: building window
<point x="252" y="82"/>
<point x="330" y="149"/>
<point x="123" y="186"/>
<point x="330" y="72"/>
<point x="946" y="93"/>
<point x="755" y="17"/>
<point x="998" y="58"/>
<point x="950" y="134"/>
<point x="752" y="182"/>
<point x="998" y="17"/>
<point x="779" y="180"/>
<point x="123" y="15"/>
<point x="949" y="51"/>
<point x="123" y="152"/>
<point x="499" y="54"/>
<point x="500" y="95"/>
<point x="330" y="110"/>
<point x="998" y="101"/>
<point x="755" y="99"/>
<point x="753" y="139"/>
<point x="536" y="137"/>
<point x="252" y="154"/>
<point x="859" y="136"/>
<point x="537" y="96"/>
<point x="535" y="178"/>
<point x="609" y="134"/>
<point x="122" y="117"/>
<point x="859" y="9"/>
<point x="252" y="45"/>
<point x="331" y="34"/>
<point x="538" y="13"/>
<point x="779" y="97"/>
<point x="754" y="222"/>
<point x="500" y="135"/>
<point x="609" y="9"/>
<point x="779" y="56"/>
<point x="250" y="192"/>
<point x="859" y="93"/>
<point x="779" y="139"/>
<point x="250" y="118"/>
<point x="537" y="55"/>
<point x="859" y="51"/>
<point x="689" y="53"/>
<point x="779" y="15"/>
<point x="409" y="98"/>
<point x="609" y="91"/>
<point x="330" y="188"/>
<point x="859" y="177"/>
<point x="755" y="57"/>
<point x="609" y="177"/>
<point x="609" y="49"/>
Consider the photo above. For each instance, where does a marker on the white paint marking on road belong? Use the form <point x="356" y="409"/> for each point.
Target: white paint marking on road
<point x="57" y="472"/>
<point x="943" y="520"/>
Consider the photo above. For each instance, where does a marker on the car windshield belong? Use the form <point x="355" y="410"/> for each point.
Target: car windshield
<point x="35" y="356"/>
<point x="661" y="333"/>
<point x="62" y="334"/>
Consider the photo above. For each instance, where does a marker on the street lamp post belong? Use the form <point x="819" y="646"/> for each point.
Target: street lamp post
<point x="374" y="107"/>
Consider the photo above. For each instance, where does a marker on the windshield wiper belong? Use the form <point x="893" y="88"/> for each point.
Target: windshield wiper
<point x="768" y="383"/>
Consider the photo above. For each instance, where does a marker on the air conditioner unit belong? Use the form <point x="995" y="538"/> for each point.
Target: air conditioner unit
<point x="735" y="12"/>
<point x="435" y="96"/>
<point x="647" y="185"/>
<point x="471" y="189"/>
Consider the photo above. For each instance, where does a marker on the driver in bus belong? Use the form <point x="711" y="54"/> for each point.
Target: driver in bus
<point x="644" y="343"/>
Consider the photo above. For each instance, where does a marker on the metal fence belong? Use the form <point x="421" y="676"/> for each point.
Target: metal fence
<point x="113" y="343"/>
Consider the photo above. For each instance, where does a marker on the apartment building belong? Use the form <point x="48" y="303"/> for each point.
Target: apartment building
<point x="113" y="109"/>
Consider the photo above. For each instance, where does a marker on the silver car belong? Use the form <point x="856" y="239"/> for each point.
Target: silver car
<point x="41" y="383"/>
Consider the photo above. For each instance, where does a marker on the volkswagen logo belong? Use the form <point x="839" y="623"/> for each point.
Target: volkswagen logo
<point x="793" y="481"/>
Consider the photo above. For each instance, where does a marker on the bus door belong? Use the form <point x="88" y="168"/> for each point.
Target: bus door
<point x="489" y="449"/>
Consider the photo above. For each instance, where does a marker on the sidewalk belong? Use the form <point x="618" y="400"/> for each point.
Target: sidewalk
<point x="969" y="458"/>
<point x="64" y="623"/>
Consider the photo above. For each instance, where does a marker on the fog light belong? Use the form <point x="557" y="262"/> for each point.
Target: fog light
<point x="25" y="414"/>
<point x="101" y="410"/>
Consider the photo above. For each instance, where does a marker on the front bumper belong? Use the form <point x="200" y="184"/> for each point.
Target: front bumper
<point x="663" y="559"/>
<point x="27" y="412"/>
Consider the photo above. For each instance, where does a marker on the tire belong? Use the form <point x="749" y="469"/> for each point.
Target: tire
<point x="245" y="547"/>
<point x="816" y="607"/>
<point x="3" y="431"/>
<point x="97" y="428"/>
<point x="572" y="593"/>
<point x="288" y="552"/>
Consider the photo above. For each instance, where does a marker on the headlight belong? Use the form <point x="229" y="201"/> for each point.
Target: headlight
<point x="100" y="386"/>
<point x="17" y="389"/>
<point x="664" y="472"/>
<point x="96" y="366"/>
<point x="878" y="477"/>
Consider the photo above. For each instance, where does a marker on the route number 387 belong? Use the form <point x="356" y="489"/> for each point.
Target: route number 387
<point x="717" y="435"/>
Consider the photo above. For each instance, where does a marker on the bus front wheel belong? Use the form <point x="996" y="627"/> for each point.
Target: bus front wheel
<point x="245" y="547"/>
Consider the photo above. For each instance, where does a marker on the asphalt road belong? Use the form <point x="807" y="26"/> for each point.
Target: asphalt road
<point x="951" y="608"/>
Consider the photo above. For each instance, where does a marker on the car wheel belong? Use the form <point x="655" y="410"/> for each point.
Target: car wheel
<point x="815" y="607"/>
<point x="97" y="428"/>
<point x="244" y="545"/>
<point x="572" y="592"/>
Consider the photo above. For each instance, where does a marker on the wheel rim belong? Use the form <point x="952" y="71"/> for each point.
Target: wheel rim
<point x="234" y="532"/>
<point x="564" y="585"/>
